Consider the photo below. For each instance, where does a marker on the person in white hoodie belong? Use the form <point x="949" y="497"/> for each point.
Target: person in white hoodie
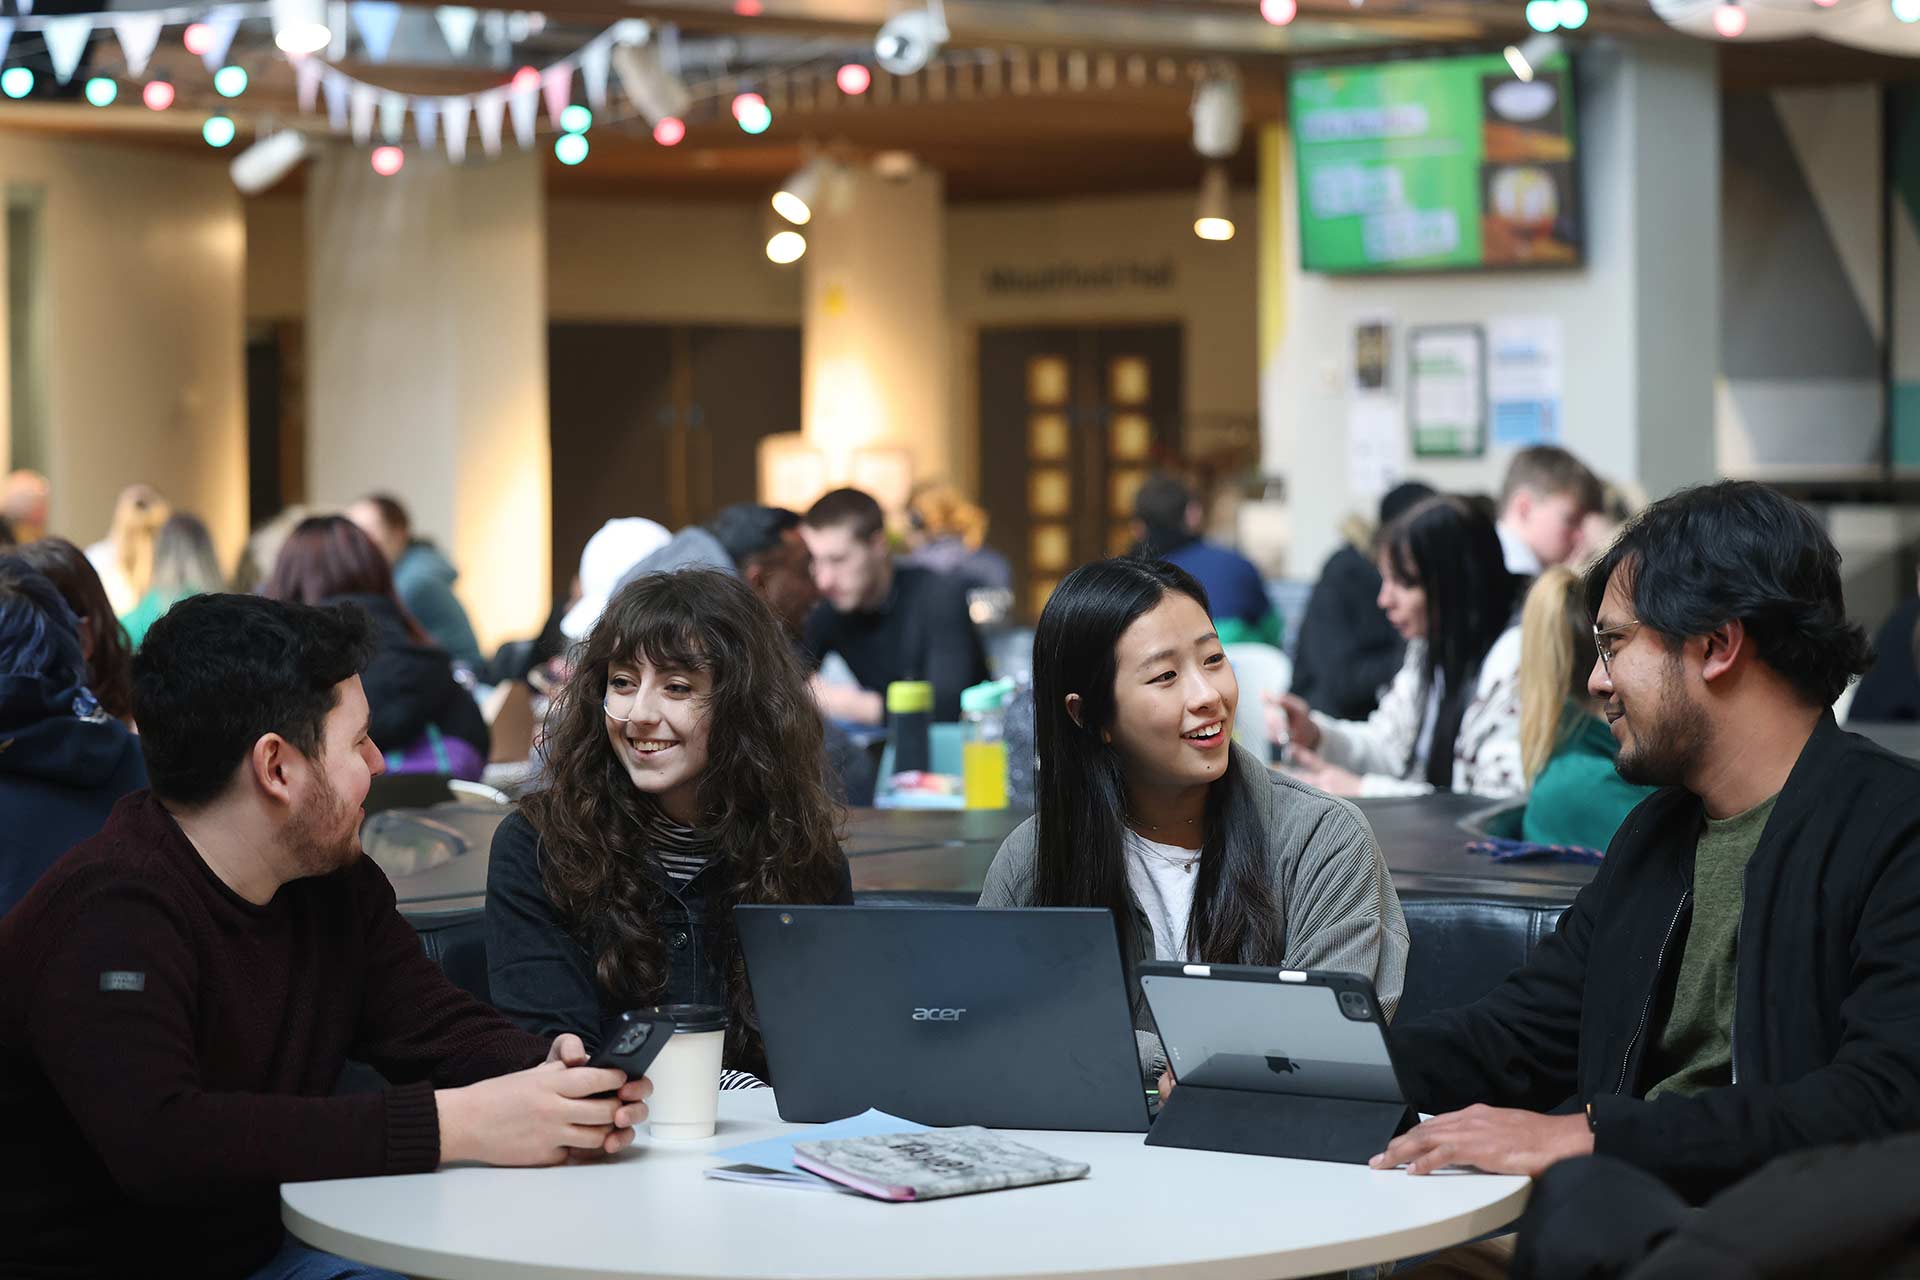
<point x="1450" y="721"/>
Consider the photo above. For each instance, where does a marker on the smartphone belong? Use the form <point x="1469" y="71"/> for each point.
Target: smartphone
<point x="633" y="1041"/>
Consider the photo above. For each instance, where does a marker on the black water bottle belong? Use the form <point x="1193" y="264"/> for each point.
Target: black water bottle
<point x="910" y="717"/>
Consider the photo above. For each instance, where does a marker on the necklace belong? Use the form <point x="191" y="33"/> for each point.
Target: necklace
<point x="1184" y="863"/>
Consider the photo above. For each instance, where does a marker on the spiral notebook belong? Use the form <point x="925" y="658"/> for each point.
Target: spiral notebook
<point x="933" y="1163"/>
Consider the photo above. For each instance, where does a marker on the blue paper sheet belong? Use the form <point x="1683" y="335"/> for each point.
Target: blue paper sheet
<point x="777" y="1153"/>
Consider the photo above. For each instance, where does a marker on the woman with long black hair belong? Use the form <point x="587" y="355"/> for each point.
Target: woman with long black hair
<point x="1147" y="808"/>
<point x="684" y="775"/>
<point x="1450" y="721"/>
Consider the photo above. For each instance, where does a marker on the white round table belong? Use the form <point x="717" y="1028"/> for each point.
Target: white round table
<point x="1142" y="1211"/>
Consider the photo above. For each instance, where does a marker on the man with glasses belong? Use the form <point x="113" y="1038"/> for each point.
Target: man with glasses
<point x="1742" y="977"/>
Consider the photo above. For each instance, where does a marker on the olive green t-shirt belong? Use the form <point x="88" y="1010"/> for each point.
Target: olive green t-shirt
<point x="1695" y="1049"/>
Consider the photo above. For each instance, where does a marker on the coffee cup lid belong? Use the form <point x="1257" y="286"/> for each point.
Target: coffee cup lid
<point x="694" y="1017"/>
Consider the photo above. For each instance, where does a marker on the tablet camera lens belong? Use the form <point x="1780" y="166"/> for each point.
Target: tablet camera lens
<point x="1354" y="1005"/>
<point x="631" y="1040"/>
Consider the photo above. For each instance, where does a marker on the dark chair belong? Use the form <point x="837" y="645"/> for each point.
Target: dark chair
<point x="1463" y="947"/>
<point x="914" y="898"/>
<point x="457" y="942"/>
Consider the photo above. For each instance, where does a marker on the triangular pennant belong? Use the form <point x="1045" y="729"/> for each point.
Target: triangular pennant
<point x="66" y="40"/>
<point x="6" y="35"/>
<point x="363" y="101"/>
<point x="632" y="31"/>
<point x="458" y="112"/>
<point x="426" y="118"/>
<point x="307" y="71"/>
<point x="337" y="26"/>
<point x="493" y="27"/>
<point x="557" y="84"/>
<point x="376" y="20"/>
<point x="526" y="107"/>
<point x="594" y="60"/>
<point x="489" y="109"/>
<point x="456" y="27"/>
<point x="25" y="7"/>
<point x="393" y="116"/>
<point x="220" y="24"/>
<point x="139" y="35"/>
<point x="336" y="86"/>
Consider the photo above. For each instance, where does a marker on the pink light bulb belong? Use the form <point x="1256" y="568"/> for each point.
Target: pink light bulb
<point x="745" y="100"/>
<point x="388" y="161"/>
<point x="853" y="79"/>
<point x="670" y="131"/>
<point x="526" y="80"/>
<point x="1279" y="12"/>
<point x="158" y="95"/>
<point x="1729" y="20"/>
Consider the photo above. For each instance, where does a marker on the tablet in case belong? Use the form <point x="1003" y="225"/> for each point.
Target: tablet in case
<point x="1274" y="1062"/>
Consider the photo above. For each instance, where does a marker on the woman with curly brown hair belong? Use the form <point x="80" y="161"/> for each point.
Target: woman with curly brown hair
<point x="684" y="776"/>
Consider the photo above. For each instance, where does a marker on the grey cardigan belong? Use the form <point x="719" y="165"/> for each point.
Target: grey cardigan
<point x="1329" y="877"/>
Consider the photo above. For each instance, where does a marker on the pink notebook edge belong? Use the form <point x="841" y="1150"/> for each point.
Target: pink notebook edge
<point x="878" y="1190"/>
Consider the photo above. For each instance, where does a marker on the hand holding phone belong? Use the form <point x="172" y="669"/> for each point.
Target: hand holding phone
<point x="633" y="1041"/>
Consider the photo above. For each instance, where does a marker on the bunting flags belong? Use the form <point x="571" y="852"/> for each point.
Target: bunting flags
<point x="488" y="110"/>
<point x="426" y="118"/>
<point x="594" y="61"/>
<point x="525" y="105"/>
<point x="66" y="40"/>
<point x="376" y="21"/>
<point x="307" y="71"/>
<point x="220" y="24"/>
<point x="361" y="101"/>
<point x="557" y="87"/>
<point x="458" y="112"/>
<point x="335" y="85"/>
<point x="393" y="117"/>
<point x="456" y="27"/>
<point x="138" y="34"/>
<point x="6" y="35"/>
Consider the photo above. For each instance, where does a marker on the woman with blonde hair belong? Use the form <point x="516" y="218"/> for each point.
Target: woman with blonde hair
<point x="184" y="565"/>
<point x="124" y="558"/>
<point x="1575" y="796"/>
<point x="949" y="536"/>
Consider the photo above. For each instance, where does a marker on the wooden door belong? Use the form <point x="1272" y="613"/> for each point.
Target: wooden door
<point x="1071" y="421"/>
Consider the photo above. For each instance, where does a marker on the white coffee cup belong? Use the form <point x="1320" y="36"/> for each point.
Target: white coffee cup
<point x="686" y="1075"/>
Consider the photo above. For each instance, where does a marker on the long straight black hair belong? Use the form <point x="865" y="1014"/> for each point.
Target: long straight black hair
<point x="1083" y="790"/>
<point x="1450" y="548"/>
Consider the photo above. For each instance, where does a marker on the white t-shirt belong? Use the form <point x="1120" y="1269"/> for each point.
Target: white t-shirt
<point x="1521" y="561"/>
<point x="1163" y="887"/>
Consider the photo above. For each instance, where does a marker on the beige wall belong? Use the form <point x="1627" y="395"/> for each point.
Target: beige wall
<point x="698" y="263"/>
<point x="144" y="263"/>
<point x="1212" y="292"/>
<point x="427" y="369"/>
<point x="276" y="258"/>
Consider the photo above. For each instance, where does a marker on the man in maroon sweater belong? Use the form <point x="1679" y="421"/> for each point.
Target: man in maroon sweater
<point x="178" y="994"/>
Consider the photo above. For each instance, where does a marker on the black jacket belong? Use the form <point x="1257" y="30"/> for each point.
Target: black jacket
<point x="1826" y="1026"/>
<point x="410" y="685"/>
<point x="542" y="977"/>
<point x="1347" y="651"/>
<point x="1891" y="691"/>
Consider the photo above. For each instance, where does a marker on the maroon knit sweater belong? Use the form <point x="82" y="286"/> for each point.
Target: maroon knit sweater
<point x="168" y="1053"/>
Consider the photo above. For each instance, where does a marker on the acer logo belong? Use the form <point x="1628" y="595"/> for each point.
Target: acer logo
<point x="1282" y="1066"/>
<point x="937" y="1015"/>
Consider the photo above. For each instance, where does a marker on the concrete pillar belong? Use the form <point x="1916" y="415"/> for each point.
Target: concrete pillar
<point x="427" y="364"/>
<point x="876" y="358"/>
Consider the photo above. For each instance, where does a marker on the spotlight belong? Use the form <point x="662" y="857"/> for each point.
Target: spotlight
<point x="1213" y="217"/>
<point x="300" y="26"/>
<point x="656" y="91"/>
<point x="908" y="41"/>
<point x="267" y="161"/>
<point x="1217" y="117"/>
<point x="784" y="247"/>
<point x="796" y="197"/>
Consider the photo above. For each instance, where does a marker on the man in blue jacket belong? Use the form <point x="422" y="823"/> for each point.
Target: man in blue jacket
<point x="422" y="576"/>
<point x="1742" y="978"/>
<point x="63" y="761"/>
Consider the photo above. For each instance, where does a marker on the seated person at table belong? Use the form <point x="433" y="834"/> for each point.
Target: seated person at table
<point x="1166" y="526"/>
<point x="1891" y="691"/>
<point x="1742" y="977"/>
<point x="684" y="776"/>
<point x="103" y="641"/>
<point x="1451" y="718"/>
<point x="184" y="988"/>
<point x="1544" y="503"/>
<point x="424" y="719"/>
<point x="1575" y="795"/>
<point x="890" y="622"/>
<point x="1348" y="651"/>
<point x="423" y="577"/>
<point x="1149" y="810"/>
<point x="63" y="761"/>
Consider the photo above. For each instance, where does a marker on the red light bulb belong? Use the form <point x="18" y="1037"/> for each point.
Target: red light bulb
<point x="670" y="131"/>
<point x="853" y="79"/>
<point x="158" y="95"/>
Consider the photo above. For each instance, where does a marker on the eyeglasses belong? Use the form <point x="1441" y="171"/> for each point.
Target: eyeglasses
<point x="1603" y="641"/>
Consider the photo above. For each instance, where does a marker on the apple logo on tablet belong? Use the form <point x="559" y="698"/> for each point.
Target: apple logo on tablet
<point x="1281" y="1066"/>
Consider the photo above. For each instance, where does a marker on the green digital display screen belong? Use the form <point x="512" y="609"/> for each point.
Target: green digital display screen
<point x="1436" y="164"/>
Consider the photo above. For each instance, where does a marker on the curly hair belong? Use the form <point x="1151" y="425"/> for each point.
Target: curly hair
<point x="762" y="797"/>
<point x="1705" y="556"/>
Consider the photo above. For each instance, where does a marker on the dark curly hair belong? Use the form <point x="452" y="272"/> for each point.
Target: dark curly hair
<point x="1703" y="557"/>
<point x="762" y="798"/>
<point x="109" y="655"/>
